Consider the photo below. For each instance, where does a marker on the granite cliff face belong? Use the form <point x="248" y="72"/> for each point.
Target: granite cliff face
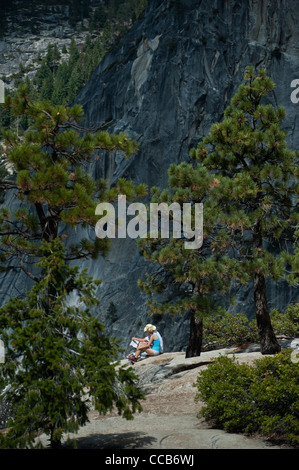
<point x="164" y="84"/>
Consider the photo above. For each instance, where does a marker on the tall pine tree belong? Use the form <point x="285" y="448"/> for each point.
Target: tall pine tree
<point x="257" y="192"/>
<point x="52" y="182"/>
<point x="183" y="280"/>
<point x="53" y="350"/>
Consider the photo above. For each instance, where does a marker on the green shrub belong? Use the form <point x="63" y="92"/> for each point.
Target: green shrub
<point x="228" y="329"/>
<point x="262" y="398"/>
<point x="286" y="323"/>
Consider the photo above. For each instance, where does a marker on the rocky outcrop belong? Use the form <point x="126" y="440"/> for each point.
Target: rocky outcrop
<point x="169" y="417"/>
<point x="164" y="84"/>
<point x="28" y="34"/>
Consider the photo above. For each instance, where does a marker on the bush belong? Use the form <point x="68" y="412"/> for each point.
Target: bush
<point x="228" y="329"/>
<point x="262" y="398"/>
<point x="232" y="329"/>
<point x="286" y="323"/>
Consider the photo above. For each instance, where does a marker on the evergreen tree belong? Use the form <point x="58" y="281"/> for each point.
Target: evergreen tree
<point x="75" y="83"/>
<point x="194" y="279"/>
<point x="98" y="52"/>
<point x="52" y="180"/>
<point x="58" y="361"/>
<point x="256" y="194"/>
<point x="53" y="57"/>
<point x="49" y="362"/>
<point x="74" y="54"/>
<point x="43" y="73"/>
<point x="107" y="35"/>
<point x="59" y="94"/>
<point x="47" y="88"/>
<point x="88" y="44"/>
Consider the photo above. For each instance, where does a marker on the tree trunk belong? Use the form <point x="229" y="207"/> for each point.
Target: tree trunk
<point x="268" y="341"/>
<point x="195" y="339"/>
<point x="49" y="224"/>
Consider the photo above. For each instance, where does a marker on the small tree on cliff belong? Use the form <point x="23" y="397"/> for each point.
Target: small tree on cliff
<point x="255" y="197"/>
<point x="58" y="361"/>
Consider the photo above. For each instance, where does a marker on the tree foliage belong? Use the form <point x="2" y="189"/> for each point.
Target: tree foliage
<point x="195" y="278"/>
<point x="54" y="349"/>
<point x="260" y="398"/>
<point x="52" y="182"/>
<point x="58" y="361"/>
<point x="257" y="192"/>
<point x="231" y="329"/>
<point x="59" y="79"/>
<point x="246" y="178"/>
<point x="63" y="72"/>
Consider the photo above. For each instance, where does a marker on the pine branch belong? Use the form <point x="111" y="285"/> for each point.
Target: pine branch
<point x="7" y="184"/>
<point x="22" y="267"/>
<point x="23" y="234"/>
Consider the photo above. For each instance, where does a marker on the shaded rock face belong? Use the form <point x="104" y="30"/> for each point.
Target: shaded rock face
<point x="165" y="83"/>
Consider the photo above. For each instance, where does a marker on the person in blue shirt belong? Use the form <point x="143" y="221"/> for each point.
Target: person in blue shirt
<point x="152" y="344"/>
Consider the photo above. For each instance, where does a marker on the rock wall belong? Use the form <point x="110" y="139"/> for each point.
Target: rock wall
<point x="164" y="84"/>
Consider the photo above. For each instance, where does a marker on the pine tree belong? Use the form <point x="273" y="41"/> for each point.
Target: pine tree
<point x="98" y="52"/>
<point x="256" y="194"/>
<point x="58" y="361"/>
<point x="47" y="88"/>
<point x="43" y="73"/>
<point x="53" y="57"/>
<point x="187" y="281"/>
<point x="75" y="83"/>
<point x="74" y="54"/>
<point x="48" y="361"/>
<point x="52" y="181"/>
<point x="59" y="95"/>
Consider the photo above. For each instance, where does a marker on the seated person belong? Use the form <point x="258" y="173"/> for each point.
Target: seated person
<point x="152" y="344"/>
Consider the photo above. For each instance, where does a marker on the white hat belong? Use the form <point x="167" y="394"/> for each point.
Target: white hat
<point x="149" y="327"/>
